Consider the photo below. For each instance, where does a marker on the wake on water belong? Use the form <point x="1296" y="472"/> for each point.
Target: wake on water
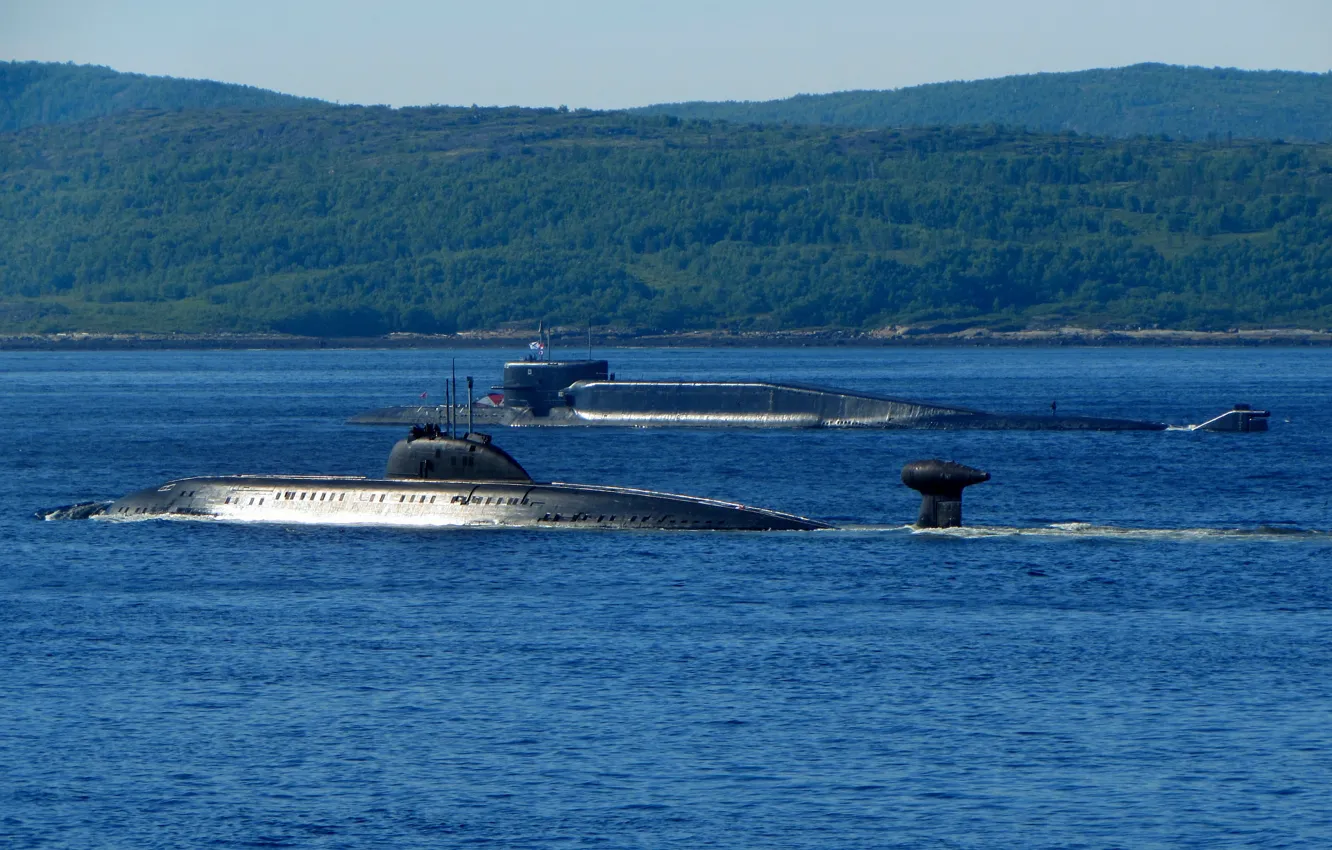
<point x="81" y="510"/>
<point x="1064" y="530"/>
<point x="1085" y="530"/>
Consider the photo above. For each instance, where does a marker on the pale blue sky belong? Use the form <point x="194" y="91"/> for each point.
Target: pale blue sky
<point x="602" y="54"/>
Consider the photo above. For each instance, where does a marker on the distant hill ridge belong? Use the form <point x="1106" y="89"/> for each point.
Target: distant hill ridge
<point x="1137" y="100"/>
<point x="34" y="93"/>
<point x="357" y="221"/>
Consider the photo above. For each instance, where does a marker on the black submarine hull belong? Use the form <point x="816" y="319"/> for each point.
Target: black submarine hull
<point x="441" y="503"/>
<point x="722" y="404"/>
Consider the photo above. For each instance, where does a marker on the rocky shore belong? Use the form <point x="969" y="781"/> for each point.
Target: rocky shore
<point x="563" y="339"/>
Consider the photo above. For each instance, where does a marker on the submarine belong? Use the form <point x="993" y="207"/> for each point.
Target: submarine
<point x="553" y="393"/>
<point x="436" y="479"/>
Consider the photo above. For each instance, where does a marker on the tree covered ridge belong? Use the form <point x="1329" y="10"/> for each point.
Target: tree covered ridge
<point x="33" y="93"/>
<point x="1144" y="99"/>
<point x="1138" y="100"/>
<point x="345" y="221"/>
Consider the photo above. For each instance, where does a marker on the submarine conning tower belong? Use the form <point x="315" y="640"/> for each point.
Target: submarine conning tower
<point x="536" y="384"/>
<point x="940" y="483"/>
<point x="428" y="454"/>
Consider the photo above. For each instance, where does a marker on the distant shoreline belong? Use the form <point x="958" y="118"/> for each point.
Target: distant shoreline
<point x="577" y="341"/>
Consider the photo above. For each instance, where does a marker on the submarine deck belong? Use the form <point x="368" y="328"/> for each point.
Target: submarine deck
<point x="746" y="404"/>
<point x="354" y="500"/>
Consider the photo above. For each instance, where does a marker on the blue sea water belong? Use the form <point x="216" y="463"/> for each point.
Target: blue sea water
<point x="1131" y="647"/>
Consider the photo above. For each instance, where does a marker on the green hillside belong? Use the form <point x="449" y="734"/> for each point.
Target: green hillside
<point x="1139" y="100"/>
<point x="364" y="220"/>
<point x="34" y="93"/>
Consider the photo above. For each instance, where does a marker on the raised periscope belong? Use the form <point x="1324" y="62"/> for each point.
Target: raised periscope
<point x="437" y="480"/>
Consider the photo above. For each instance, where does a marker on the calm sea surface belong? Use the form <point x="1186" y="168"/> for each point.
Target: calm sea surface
<point x="1130" y="647"/>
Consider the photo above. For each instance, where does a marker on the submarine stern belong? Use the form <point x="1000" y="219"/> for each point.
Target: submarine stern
<point x="940" y="484"/>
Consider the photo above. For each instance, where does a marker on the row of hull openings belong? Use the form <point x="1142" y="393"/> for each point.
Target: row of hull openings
<point x="297" y="496"/>
<point x="479" y="501"/>
<point x="462" y="500"/>
<point x="317" y="496"/>
<point x="327" y="497"/>
<point x="402" y="498"/>
<point x="665" y="520"/>
<point x="125" y="509"/>
<point x="575" y="518"/>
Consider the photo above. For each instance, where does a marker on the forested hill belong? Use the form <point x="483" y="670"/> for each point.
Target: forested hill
<point x="1139" y="100"/>
<point x="34" y="93"/>
<point x="349" y="221"/>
